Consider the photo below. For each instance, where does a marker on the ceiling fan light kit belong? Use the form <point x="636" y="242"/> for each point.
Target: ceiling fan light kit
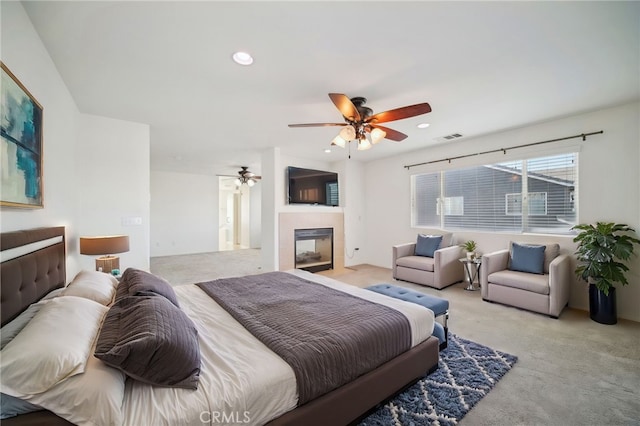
<point x="364" y="144"/>
<point x="377" y="135"/>
<point x="362" y="125"/>
<point x="348" y="133"/>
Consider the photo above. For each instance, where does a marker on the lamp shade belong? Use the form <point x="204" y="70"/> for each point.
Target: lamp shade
<point x="104" y="245"/>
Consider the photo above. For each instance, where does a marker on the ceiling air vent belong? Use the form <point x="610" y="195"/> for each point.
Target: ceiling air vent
<point x="449" y="137"/>
<point x="453" y="136"/>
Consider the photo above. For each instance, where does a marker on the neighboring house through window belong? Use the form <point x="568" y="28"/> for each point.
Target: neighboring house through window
<point x="534" y="195"/>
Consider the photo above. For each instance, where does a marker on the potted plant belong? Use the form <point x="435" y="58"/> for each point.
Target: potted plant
<point x="470" y="247"/>
<point x="601" y="251"/>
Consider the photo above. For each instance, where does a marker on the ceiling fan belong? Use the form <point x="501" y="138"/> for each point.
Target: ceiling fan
<point x="362" y="125"/>
<point x="245" y="177"/>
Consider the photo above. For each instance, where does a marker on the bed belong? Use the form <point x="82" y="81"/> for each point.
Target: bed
<point x="240" y="379"/>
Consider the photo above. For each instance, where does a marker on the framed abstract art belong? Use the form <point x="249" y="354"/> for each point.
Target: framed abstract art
<point x="21" y="145"/>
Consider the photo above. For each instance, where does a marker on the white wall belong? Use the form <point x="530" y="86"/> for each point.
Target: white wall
<point x="28" y="60"/>
<point x="352" y="200"/>
<point x="184" y="213"/>
<point x="75" y="196"/>
<point x="272" y="182"/>
<point x="113" y="185"/>
<point x="255" y="216"/>
<point x="608" y="172"/>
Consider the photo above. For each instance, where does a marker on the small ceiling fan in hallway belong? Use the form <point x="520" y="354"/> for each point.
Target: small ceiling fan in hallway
<point x="362" y="125"/>
<point x="245" y="177"/>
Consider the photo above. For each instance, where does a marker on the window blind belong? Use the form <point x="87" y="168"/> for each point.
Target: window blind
<point x="534" y="195"/>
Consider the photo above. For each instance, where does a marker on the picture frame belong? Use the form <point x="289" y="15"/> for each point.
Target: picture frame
<point x="20" y="145"/>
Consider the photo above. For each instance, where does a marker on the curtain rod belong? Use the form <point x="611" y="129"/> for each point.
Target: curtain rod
<point x="504" y="150"/>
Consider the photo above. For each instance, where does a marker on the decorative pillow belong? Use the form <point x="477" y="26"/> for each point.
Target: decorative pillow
<point x="62" y="333"/>
<point x="527" y="258"/>
<point x="93" y="285"/>
<point x="138" y="282"/>
<point x="427" y="245"/>
<point x="151" y="340"/>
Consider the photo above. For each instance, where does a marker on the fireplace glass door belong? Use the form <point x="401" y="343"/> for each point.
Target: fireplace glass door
<point x="314" y="249"/>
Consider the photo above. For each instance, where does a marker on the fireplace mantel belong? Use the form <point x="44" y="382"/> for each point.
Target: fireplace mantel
<point x="290" y="221"/>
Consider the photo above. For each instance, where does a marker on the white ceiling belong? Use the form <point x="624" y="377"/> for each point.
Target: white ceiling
<point x="483" y="67"/>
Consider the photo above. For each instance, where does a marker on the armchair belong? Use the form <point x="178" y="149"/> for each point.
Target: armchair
<point x="439" y="271"/>
<point x="546" y="292"/>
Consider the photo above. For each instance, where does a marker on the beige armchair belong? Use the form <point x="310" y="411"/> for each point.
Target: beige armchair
<point x="546" y="293"/>
<point x="439" y="271"/>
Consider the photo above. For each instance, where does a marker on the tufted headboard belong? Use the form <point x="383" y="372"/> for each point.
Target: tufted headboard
<point x="33" y="264"/>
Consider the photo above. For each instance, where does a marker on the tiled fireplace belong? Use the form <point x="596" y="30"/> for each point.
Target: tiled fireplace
<point x="288" y="251"/>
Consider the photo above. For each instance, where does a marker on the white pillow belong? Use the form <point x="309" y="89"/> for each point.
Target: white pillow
<point x="93" y="285"/>
<point x="52" y="347"/>
<point x="11" y="329"/>
<point x="53" y="293"/>
<point x="94" y="397"/>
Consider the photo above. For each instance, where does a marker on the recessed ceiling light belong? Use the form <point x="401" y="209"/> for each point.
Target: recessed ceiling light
<point x="328" y="151"/>
<point x="423" y="125"/>
<point x="242" y="58"/>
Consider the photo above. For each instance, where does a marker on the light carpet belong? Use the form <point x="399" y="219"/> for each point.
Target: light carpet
<point x="466" y="372"/>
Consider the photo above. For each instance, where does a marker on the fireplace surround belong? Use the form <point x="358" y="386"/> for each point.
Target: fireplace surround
<point x="290" y="221"/>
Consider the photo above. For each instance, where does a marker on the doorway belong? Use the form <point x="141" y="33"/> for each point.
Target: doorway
<point x="233" y="216"/>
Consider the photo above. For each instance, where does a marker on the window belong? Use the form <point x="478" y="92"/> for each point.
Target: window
<point x="534" y="195"/>
<point x="332" y="193"/>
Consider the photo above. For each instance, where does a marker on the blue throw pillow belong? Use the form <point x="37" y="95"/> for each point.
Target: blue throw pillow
<point x="527" y="258"/>
<point x="427" y="245"/>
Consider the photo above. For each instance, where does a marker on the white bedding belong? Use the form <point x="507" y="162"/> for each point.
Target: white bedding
<point x="241" y="380"/>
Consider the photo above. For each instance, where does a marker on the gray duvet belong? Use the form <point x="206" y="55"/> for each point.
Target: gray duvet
<point x="327" y="337"/>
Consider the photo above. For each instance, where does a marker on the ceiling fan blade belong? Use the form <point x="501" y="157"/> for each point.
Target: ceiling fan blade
<point x="345" y="106"/>
<point x="391" y="134"/>
<point x="399" y="113"/>
<point x="317" y="124"/>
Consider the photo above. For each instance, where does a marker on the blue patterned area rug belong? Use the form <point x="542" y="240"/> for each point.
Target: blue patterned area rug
<point x="466" y="372"/>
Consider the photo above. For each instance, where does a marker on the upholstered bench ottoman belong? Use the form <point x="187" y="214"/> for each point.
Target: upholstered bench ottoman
<point x="439" y="306"/>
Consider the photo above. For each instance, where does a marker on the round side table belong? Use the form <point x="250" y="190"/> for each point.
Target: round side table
<point x="472" y="267"/>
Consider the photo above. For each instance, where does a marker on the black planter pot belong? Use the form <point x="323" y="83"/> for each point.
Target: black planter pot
<point x="602" y="308"/>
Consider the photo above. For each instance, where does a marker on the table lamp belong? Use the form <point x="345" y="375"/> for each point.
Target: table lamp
<point x="106" y="246"/>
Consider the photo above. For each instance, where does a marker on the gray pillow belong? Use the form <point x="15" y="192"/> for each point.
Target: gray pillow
<point x="427" y="245"/>
<point x="527" y="258"/>
<point x="151" y="340"/>
<point x="136" y="282"/>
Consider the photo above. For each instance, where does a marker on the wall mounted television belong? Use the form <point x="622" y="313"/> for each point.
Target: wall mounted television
<point x="307" y="186"/>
